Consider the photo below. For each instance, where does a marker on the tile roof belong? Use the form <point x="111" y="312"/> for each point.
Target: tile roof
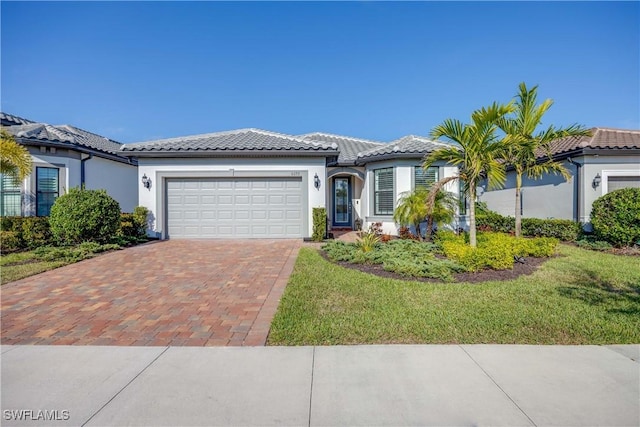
<point x="11" y="120"/>
<point x="65" y="134"/>
<point x="349" y="147"/>
<point x="406" y="146"/>
<point x="241" y="140"/>
<point x="600" y="138"/>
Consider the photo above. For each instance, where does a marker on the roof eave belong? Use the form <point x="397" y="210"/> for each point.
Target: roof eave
<point x="75" y="147"/>
<point x="391" y="156"/>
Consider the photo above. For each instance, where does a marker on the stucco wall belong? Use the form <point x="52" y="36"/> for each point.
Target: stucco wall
<point x="154" y="168"/>
<point x="553" y="197"/>
<point x="549" y="197"/>
<point x="403" y="182"/>
<point x="119" y="179"/>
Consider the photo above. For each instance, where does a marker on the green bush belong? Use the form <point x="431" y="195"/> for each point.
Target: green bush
<point x="405" y="257"/>
<point x="594" y="244"/>
<point x="319" y="224"/>
<point x="496" y="250"/>
<point x="140" y="217"/>
<point x="84" y="215"/>
<point x="72" y="254"/>
<point x="565" y="230"/>
<point x="36" y="232"/>
<point x="616" y="217"/>
<point x="10" y="241"/>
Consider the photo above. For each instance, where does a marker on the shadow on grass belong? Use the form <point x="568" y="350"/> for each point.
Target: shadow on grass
<point x="590" y="288"/>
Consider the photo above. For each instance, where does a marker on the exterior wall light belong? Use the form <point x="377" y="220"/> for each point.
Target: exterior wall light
<point x="597" y="180"/>
<point x="146" y="181"/>
<point x="316" y="181"/>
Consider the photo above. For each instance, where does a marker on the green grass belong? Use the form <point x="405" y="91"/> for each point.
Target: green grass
<point x="581" y="297"/>
<point x="19" y="265"/>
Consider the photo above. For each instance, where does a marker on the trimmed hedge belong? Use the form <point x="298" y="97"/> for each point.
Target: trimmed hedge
<point x="563" y="229"/>
<point x="319" y="224"/>
<point x="616" y="217"/>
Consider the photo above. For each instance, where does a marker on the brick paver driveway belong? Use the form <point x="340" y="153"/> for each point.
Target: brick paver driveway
<point x="176" y="292"/>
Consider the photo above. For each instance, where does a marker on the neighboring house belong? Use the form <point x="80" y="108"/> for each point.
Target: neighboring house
<point x="252" y="183"/>
<point x="607" y="160"/>
<point x="65" y="157"/>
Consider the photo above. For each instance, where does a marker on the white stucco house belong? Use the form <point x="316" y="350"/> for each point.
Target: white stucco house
<point x="251" y="183"/>
<point x="607" y="160"/>
<point x="65" y="157"/>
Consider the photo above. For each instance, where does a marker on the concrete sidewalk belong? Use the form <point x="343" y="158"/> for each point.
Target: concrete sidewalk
<point x="509" y="385"/>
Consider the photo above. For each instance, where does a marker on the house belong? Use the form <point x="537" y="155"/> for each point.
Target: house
<point x="252" y="183"/>
<point x="607" y="160"/>
<point x="65" y="157"/>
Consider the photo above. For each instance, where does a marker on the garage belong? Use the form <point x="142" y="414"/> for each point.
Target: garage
<point x="263" y="207"/>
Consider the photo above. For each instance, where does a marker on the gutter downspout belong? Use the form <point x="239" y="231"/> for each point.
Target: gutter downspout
<point x="577" y="185"/>
<point x="82" y="170"/>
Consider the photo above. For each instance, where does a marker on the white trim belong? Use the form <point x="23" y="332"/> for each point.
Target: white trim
<point x="605" y="174"/>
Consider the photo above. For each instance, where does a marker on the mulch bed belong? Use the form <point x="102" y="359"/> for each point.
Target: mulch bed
<point x="529" y="267"/>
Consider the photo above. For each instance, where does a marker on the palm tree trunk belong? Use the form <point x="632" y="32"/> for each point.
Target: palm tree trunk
<point x="429" y="230"/>
<point x="518" y="215"/>
<point x="472" y="215"/>
<point x="418" y="232"/>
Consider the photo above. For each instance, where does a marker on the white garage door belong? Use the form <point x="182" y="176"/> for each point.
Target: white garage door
<point x="234" y="207"/>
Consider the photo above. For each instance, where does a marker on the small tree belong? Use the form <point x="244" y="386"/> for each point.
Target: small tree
<point x="84" y="215"/>
<point x="15" y="160"/>
<point x="419" y="205"/>
<point x="477" y="153"/>
<point x="412" y="209"/>
<point x="526" y="147"/>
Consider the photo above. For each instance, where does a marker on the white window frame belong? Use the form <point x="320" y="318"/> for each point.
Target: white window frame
<point x="605" y="174"/>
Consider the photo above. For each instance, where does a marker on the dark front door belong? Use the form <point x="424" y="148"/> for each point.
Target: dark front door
<point x="342" y="202"/>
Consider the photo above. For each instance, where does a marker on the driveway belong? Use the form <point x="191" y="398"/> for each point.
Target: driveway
<point x="176" y="292"/>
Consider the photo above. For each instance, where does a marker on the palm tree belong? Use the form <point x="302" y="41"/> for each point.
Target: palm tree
<point x="15" y="160"/>
<point x="477" y="153"/>
<point x="525" y="146"/>
<point x="414" y="207"/>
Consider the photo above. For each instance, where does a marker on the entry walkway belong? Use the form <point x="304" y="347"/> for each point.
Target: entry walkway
<point x="452" y="385"/>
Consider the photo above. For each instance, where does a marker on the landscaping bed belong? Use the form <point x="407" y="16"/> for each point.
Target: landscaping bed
<point x="578" y="297"/>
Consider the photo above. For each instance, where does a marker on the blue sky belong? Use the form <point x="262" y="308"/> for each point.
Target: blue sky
<point x="140" y="71"/>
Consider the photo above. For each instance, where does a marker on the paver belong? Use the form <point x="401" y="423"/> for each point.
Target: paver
<point x="176" y="292"/>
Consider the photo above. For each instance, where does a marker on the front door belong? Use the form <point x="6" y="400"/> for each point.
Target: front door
<point x="342" y="202"/>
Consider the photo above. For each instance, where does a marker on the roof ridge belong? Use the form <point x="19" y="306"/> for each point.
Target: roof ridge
<point x="88" y="131"/>
<point x="370" y="141"/>
<point x="617" y="130"/>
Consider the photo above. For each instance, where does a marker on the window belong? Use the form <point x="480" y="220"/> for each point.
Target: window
<point x="46" y="190"/>
<point x="618" y="182"/>
<point x="383" y="191"/>
<point x="462" y="199"/>
<point x="425" y="177"/>
<point x="10" y="202"/>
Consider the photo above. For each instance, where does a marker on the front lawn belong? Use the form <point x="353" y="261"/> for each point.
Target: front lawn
<point x="19" y="265"/>
<point x="580" y="297"/>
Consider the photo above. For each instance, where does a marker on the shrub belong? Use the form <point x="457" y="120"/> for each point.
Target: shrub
<point x="405" y="234"/>
<point x="495" y="250"/>
<point x="84" y="215"/>
<point x="405" y="257"/>
<point x="563" y="229"/>
<point x="319" y="224"/>
<point x="616" y="217"/>
<point x="141" y="218"/>
<point x="36" y="232"/>
<point x="593" y="244"/>
<point x="10" y="241"/>
<point x="12" y="224"/>
<point x="368" y="241"/>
